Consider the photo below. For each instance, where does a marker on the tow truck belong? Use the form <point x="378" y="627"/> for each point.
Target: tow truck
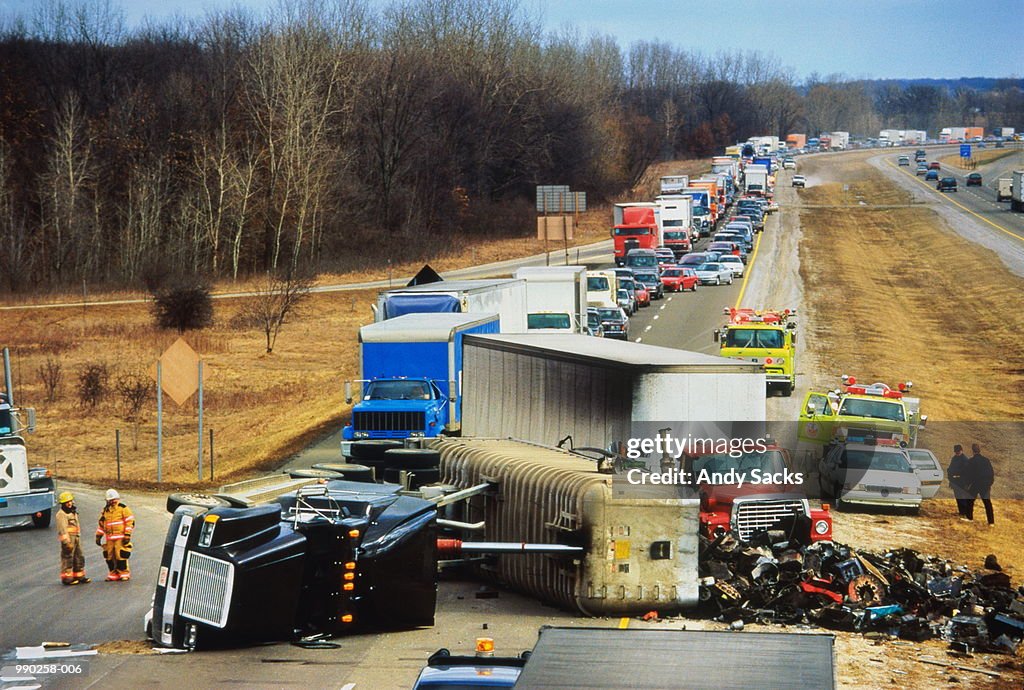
<point x="26" y="493"/>
<point x="744" y="510"/>
<point x="767" y="337"/>
<point x="857" y="413"/>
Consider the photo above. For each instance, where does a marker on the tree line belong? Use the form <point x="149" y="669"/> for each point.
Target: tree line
<point x="241" y="143"/>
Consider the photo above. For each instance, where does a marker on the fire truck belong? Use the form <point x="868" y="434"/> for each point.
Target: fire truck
<point x="857" y="413"/>
<point x="745" y="509"/>
<point x="767" y="337"/>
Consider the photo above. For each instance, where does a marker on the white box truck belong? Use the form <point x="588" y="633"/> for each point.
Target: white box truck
<point x="673" y="184"/>
<point x="505" y="297"/>
<point x="676" y="220"/>
<point x="755" y="180"/>
<point x="840" y="140"/>
<point x="1016" y="199"/>
<point x="556" y="298"/>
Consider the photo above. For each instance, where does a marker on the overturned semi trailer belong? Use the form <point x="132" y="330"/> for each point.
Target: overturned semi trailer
<point x="639" y="543"/>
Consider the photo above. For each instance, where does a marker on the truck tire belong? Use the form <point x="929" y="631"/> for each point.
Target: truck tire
<point x="314" y="474"/>
<point x="412" y="459"/>
<point x="175" y="501"/>
<point x="349" y="471"/>
<point x="374" y="449"/>
<point x="43" y="521"/>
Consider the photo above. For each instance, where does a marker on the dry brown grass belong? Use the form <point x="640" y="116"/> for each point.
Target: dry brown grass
<point x="979" y="157"/>
<point x="893" y="294"/>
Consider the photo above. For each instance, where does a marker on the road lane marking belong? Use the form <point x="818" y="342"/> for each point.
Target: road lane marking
<point x="749" y="270"/>
<point x="647" y="329"/>
<point x="980" y="217"/>
<point x="656" y="317"/>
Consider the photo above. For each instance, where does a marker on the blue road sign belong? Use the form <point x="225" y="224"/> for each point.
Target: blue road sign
<point x="965" y="150"/>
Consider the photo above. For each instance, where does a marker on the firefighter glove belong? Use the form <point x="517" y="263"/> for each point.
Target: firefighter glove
<point x="99" y="540"/>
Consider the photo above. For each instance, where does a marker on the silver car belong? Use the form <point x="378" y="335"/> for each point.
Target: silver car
<point x="714" y="274"/>
<point x="928" y="469"/>
<point x="869" y="474"/>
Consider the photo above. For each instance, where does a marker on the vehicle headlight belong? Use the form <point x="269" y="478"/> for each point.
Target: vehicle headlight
<point x="361" y="434"/>
<point x="821" y="527"/>
<point x="37" y="473"/>
<point x="911" y="490"/>
<point x="415" y="434"/>
<point x="780" y="360"/>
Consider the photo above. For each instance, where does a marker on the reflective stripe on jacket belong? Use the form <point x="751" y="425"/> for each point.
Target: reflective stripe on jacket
<point x="116" y="522"/>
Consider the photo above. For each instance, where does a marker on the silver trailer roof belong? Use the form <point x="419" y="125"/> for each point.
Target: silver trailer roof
<point x="455" y="285"/>
<point x="430" y="327"/>
<point x="614" y="354"/>
<point x="595" y="658"/>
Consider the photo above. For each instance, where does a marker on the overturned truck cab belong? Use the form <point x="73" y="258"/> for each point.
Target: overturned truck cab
<point x="299" y="566"/>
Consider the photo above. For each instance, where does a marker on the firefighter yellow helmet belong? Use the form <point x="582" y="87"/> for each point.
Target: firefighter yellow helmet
<point x="65" y="497"/>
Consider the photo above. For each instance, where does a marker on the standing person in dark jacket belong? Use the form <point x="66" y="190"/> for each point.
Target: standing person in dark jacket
<point x="982" y="477"/>
<point x="959" y="482"/>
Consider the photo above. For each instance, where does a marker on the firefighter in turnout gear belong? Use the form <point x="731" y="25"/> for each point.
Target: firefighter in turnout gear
<point x="69" y="532"/>
<point x="116" y="524"/>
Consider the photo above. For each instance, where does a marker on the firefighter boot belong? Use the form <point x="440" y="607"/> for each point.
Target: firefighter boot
<point x="112" y="567"/>
<point x="123" y="572"/>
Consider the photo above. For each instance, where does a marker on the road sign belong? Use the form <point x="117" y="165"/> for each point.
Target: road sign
<point x="965" y="150"/>
<point x="558" y="199"/>
<point x="180" y="371"/>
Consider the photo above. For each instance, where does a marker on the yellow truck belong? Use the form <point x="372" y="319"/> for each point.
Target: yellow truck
<point x="858" y="413"/>
<point x="767" y="337"/>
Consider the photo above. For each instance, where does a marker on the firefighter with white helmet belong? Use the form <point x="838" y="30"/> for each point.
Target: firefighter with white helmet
<point x="116" y="524"/>
<point x="69" y="532"/>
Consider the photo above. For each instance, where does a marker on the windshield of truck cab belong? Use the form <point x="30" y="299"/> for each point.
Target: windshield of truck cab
<point x="754" y="337"/>
<point x="888" y="460"/>
<point x="548" y="321"/>
<point x="768" y="461"/>
<point x="625" y="232"/>
<point x="596" y="283"/>
<point x="876" y="409"/>
<point x="676" y="235"/>
<point x="700" y="210"/>
<point x="397" y="390"/>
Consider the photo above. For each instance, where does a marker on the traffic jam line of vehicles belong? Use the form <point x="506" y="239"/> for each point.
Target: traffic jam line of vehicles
<point x="488" y="435"/>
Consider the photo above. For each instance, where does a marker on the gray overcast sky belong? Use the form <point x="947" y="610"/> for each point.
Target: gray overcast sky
<point x="860" y="38"/>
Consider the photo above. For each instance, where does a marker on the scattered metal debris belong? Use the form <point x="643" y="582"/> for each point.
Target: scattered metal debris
<point x="896" y="594"/>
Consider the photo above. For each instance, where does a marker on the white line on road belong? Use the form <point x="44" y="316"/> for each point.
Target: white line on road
<point x="647" y="329"/>
<point x="638" y="340"/>
<point x="661" y="307"/>
<point x="656" y="317"/>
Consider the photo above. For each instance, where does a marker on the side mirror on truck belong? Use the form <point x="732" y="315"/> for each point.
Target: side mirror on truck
<point x="348" y="392"/>
<point x="717" y="335"/>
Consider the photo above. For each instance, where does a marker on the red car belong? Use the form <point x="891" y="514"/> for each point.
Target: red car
<point x="677" y="278"/>
<point x="643" y="297"/>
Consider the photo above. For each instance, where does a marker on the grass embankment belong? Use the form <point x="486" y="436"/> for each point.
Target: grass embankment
<point x="893" y="294"/>
<point x="979" y="157"/>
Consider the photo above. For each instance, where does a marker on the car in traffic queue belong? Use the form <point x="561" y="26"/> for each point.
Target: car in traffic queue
<point x="651" y="281"/>
<point x="799" y="181"/>
<point x="679" y="278"/>
<point x="714" y="273"/>
<point x="615" y="322"/>
<point x="752" y="216"/>
<point x="594" y="326"/>
<point x="922" y="169"/>
<point x="877" y="473"/>
<point x="723" y="246"/>
<point x="627" y="301"/>
<point x="931" y="175"/>
<point x="903" y="161"/>
<point x="928" y="470"/>
<point x="484" y="670"/>
<point x="934" y="165"/>
<point x="789" y="164"/>
<point x="733" y="263"/>
<point x="693" y="260"/>
<point x="643" y="295"/>
<point x="666" y="257"/>
<point x="973" y="180"/>
<point x="633" y="288"/>
<point x="946" y="184"/>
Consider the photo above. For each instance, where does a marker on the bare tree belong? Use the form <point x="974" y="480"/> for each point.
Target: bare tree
<point x="134" y="390"/>
<point x="50" y="375"/>
<point x="273" y="302"/>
